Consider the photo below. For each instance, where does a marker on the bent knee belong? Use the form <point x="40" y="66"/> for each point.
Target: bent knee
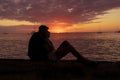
<point x="65" y="42"/>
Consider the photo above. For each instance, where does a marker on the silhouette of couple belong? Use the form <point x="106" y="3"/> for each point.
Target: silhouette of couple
<point x="41" y="48"/>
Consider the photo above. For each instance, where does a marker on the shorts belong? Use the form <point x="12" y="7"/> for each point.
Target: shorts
<point x="52" y="56"/>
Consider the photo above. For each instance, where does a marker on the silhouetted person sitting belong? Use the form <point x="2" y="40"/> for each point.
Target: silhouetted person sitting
<point x="41" y="48"/>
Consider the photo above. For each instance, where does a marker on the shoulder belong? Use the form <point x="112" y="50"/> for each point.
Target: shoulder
<point x="36" y="34"/>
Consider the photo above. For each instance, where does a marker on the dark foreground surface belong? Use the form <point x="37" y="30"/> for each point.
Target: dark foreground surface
<point x="62" y="70"/>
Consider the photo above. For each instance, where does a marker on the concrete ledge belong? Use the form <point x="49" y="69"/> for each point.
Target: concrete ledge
<point x="18" y="69"/>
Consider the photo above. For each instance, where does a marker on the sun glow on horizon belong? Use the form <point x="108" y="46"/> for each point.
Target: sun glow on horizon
<point x="58" y="27"/>
<point x="57" y="30"/>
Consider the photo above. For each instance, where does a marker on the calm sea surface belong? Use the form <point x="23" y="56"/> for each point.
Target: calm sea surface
<point x="94" y="46"/>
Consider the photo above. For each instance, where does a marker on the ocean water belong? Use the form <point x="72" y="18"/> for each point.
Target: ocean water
<point x="94" y="46"/>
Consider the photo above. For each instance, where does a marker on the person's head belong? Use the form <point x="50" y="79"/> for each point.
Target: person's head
<point x="43" y="29"/>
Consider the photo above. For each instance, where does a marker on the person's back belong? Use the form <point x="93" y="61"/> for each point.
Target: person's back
<point x="36" y="50"/>
<point x="39" y="48"/>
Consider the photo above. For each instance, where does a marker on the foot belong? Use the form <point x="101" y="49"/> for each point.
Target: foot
<point x="88" y="63"/>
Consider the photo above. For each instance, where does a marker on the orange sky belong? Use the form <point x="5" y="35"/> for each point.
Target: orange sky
<point x="105" y="23"/>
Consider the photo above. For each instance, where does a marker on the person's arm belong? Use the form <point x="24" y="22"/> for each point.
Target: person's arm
<point x="49" y="46"/>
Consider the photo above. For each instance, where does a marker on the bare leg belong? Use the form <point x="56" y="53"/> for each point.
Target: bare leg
<point x="65" y="48"/>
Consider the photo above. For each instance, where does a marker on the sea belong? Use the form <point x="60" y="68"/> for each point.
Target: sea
<point x="93" y="46"/>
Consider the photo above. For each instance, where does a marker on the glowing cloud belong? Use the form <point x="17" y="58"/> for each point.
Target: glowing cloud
<point x="69" y="11"/>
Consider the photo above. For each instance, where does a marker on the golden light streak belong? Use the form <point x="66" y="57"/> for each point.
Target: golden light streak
<point x="106" y="23"/>
<point x="6" y="22"/>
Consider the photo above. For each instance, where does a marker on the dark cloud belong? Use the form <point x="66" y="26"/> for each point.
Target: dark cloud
<point x="69" y="11"/>
<point x="18" y="29"/>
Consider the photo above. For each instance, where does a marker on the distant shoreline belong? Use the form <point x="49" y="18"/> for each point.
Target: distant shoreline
<point x="60" y="33"/>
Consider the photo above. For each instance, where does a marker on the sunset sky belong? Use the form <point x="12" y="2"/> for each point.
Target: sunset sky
<point x="60" y="15"/>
